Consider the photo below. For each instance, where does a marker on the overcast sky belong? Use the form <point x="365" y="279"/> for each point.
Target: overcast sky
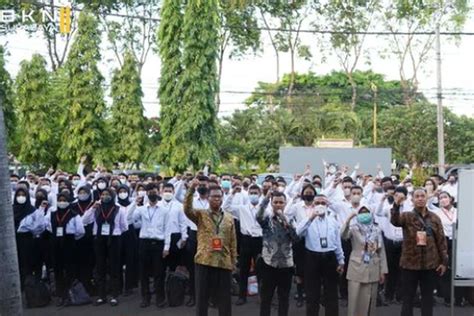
<point x="242" y="75"/>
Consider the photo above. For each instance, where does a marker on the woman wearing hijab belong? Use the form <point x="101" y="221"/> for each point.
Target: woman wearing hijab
<point x="85" y="245"/>
<point x="42" y="242"/>
<point x="367" y="263"/>
<point x="28" y="223"/>
<point x="129" y="242"/>
<point x="109" y="225"/>
<point x="65" y="227"/>
<point x="102" y="184"/>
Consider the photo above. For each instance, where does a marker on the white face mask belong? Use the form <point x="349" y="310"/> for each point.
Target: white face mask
<point x="63" y="205"/>
<point x="123" y="180"/>
<point x="167" y="196"/>
<point x="83" y="197"/>
<point x="123" y="195"/>
<point x="47" y="188"/>
<point x="141" y="193"/>
<point x="101" y="185"/>
<point x="320" y="209"/>
<point x="281" y="189"/>
<point x="21" y="199"/>
<point x="347" y="191"/>
<point x="356" y="198"/>
<point x="75" y="182"/>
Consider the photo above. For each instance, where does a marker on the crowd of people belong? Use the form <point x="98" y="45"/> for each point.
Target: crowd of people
<point x="342" y="238"/>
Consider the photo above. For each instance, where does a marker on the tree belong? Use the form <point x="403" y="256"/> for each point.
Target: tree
<point x="411" y="50"/>
<point x="37" y="115"/>
<point x="348" y="19"/>
<point x="6" y="94"/>
<point x="193" y="139"/>
<point x="128" y="122"/>
<point x="10" y="291"/>
<point x="459" y="134"/>
<point x="84" y="127"/>
<point x="169" y="44"/>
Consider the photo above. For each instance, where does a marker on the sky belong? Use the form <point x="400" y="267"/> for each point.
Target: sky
<point x="243" y="75"/>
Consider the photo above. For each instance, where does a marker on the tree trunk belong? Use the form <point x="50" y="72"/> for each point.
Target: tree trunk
<point x="354" y="90"/>
<point x="10" y="292"/>
<point x="277" y="55"/>
<point x="292" y="75"/>
<point x="218" y="87"/>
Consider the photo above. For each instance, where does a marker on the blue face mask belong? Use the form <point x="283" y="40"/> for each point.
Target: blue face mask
<point x="364" y="218"/>
<point x="225" y="184"/>
<point x="254" y="199"/>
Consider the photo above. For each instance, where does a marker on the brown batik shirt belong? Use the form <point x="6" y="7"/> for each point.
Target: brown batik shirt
<point x="420" y="257"/>
<point x="209" y="226"/>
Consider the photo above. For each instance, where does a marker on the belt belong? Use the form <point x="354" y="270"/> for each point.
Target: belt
<point x="321" y="254"/>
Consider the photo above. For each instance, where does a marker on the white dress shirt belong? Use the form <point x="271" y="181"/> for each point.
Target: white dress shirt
<point x="32" y="223"/>
<point x="198" y="203"/>
<point x="452" y="189"/>
<point x="176" y="219"/>
<point x="383" y="214"/>
<point x="152" y="221"/>
<point x="120" y="221"/>
<point x="448" y="218"/>
<point x="246" y="214"/>
<point x="73" y="227"/>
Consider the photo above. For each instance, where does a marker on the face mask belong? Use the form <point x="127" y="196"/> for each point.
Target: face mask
<point x="254" y="199"/>
<point x="168" y="196"/>
<point x="318" y="190"/>
<point x="347" y="191"/>
<point x="202" y="190"/>
<point x="410" y="189"/>
<point x="225" y="184"/>
<point x="13" y="184"/>
<point x="364" y="218"/>
<point x="355" y="198"/>
<point x="153" y="197"/>
<point x="21" y="199"/>
<point x="106" y="199"/>
<point x="75" y="182"/>
<point x="123" y="195"/>
<point x="63" y="205"/>
<point x="47" y="188"/>
<point x="320" y="209"/>
<point x="83" y="197"/>
<point x="123" y="180"/>
<point x="444" y="202"/>
<point x="141" y="193"/>
<point x="101" y="185"/>
<point x="308" y="198"/>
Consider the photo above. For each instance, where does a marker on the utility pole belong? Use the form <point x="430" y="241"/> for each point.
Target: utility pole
<point x="440" y="115"/>
<point x="374" y="90"/>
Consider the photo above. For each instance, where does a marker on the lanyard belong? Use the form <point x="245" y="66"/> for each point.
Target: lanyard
<point x="319" y="230"/>
<point x="217" y="223"/>
<point x="61" y="220"/>
<point x="446" y="213"/>
<point x="108" y="214"/>
<point x="87" y="207"/>
<point x="154" y="212"/>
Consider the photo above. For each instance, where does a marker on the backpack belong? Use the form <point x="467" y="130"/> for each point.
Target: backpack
<point x="78" y="294"/>
<point x="36" y="292"/>
<point x="175" y="288"/>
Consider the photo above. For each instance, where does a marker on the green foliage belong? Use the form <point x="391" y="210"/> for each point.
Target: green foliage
<point x="192" y="139"/>
<point x="127" y="122"/>
<point x="85" y="132"/>
<point x="6" y="95"/>
<point x="37" y="115"/>
<point x="459" y="138"/>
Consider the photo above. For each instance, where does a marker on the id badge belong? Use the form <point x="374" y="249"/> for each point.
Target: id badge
<point x="216" y="244"/>
<point x="59" y="231"/>
<point x="366" y="257"/>
<point x="105" y="230"/>
<point x="323" y="242"/>
<point x="421" y="238"/>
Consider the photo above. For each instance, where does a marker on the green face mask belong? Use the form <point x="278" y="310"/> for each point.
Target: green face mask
<point x="364" y="218"/>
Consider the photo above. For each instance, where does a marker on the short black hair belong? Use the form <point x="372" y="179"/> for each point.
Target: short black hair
<point x="168" y="185"/>
<point x="387" y="179"/>
<point x="347" y="179"/>
<point x="308" y="186"/>
<point x="254" y="187"/>
<point x="402" y="190"/>
<point x="215" y="188"/>
<point x="203" y="178"/>
<point x="278" y="194"/>
<point x="150" y="186"/>
<point x="357" y="187"/>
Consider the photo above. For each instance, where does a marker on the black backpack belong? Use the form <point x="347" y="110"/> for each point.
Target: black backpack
<point x="36" y="292"/>
<point x="175" y="288"/>
<point x="78" y="294"/>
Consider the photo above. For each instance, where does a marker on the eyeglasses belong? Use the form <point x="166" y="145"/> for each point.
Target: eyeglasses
<point x="320" y="203"/>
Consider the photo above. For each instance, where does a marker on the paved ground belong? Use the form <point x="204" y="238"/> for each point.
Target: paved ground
<point x="129" y="307"/>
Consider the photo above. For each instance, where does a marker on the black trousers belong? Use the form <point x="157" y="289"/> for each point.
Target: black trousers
<point x="189" y="254"/>
<point x="64" y="255"/>
<point x="271" y="279"/>
<point x="129" y="279"/>
<point x="175" y="257"/>
<point x="152" y="264"/>
<point x="86" y="261"/>
<point x="250" y="248"/>
<point x="445" y="279"/>
<point x="25" y="250"/>
<point x="42" y="254"/>
<point x="320" y="269"/>
<point x="347" y="249"/>
<point x="207" y="279"/>
<point x="107" y="254"/>
<point x="410" y="281"/>
<point x="238" y="234"/>
<point x="393" y="284"/>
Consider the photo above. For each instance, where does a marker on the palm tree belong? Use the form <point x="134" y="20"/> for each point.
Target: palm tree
<point x="10" y="292"/>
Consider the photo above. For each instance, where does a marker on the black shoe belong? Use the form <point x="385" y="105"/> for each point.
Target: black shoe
<point x="462" y="303"/>
<point x="127" y="292"/>
<point x="60" y="302"/>
<point x="191" y="302"/>
<point x="241" y="301"/>
<point x="160" y="303"/>
<point x="300" y="303"/>
<point x="212" y="304"/>
<point x="113" y="301"/>
<point x="99" y="301"/>
<point x="145" y="303"/>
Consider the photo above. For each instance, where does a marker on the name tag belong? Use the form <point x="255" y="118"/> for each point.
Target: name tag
<point x="421" y="238"/>
<point x="366" y="257"/>
<point x="323" y="242"/>
<point x="216" y="244"/>
<point x="59" y="231"/>
<point x="105" y="231"/>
